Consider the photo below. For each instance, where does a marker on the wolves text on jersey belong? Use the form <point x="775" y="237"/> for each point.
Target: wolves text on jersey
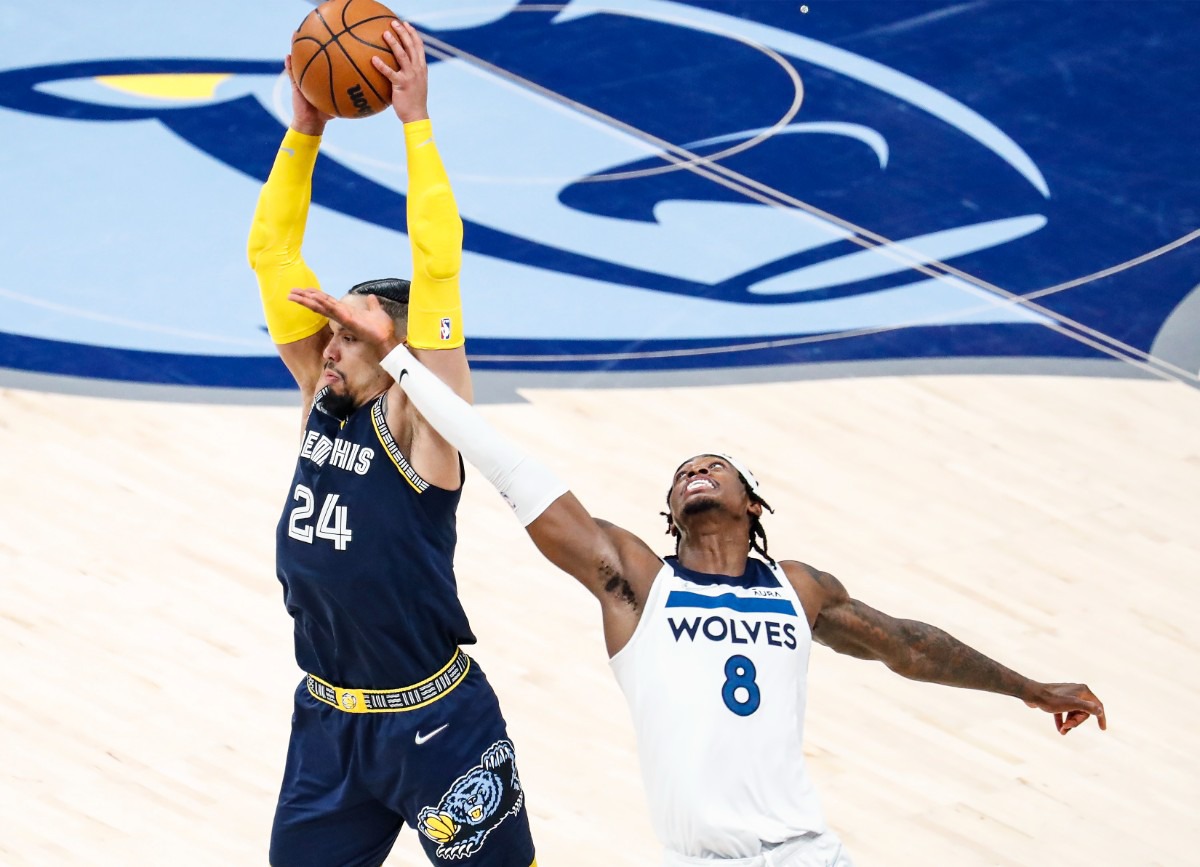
<point x="716" y="628"/>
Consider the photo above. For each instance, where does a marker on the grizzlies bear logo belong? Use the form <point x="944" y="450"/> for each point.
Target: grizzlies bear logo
<point x="476" y="803"/>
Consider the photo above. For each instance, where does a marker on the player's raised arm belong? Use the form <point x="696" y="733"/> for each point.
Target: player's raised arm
<point x="919" y="651"/>
<point x="435" y="231"/>
<point x="276" y="236"/>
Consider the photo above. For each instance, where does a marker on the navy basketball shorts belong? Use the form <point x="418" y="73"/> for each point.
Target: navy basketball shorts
<point x="447" y="769"/>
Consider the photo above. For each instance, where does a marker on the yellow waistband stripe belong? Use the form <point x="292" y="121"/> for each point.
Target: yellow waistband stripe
<point x="397" y="700"/>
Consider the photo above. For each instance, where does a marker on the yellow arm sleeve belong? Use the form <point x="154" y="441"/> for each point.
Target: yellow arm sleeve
<point x="435" y="232"/>
<point x="276" y="235"/>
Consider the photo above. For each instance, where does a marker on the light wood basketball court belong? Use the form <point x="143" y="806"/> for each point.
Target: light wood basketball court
<point x="1052" y="522"/>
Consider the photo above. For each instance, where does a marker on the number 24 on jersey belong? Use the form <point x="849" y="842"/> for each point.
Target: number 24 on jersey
<point x="331" y="523"/>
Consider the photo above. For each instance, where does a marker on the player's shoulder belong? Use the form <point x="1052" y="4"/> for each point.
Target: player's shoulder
<point x="796" y="570"/>
<point x="805" y="577"/>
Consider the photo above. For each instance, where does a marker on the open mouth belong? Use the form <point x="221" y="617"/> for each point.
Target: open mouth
<point x="700" y="484"/>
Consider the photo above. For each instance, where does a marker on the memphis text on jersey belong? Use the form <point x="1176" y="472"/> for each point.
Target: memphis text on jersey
<point x="343" y="454"/>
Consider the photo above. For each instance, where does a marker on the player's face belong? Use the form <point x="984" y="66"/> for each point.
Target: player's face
<point x="704" y="483"/>
<point x="352" y="370"/>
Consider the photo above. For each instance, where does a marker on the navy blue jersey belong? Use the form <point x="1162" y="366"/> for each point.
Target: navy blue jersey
<point x="365" y="552"/>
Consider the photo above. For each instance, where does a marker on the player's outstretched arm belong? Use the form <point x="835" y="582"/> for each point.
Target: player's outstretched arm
<point x="919" y="651"/>
<point x="276" y="236"/>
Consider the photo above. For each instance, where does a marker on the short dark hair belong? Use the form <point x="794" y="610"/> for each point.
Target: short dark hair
<point x="392" y="293"/>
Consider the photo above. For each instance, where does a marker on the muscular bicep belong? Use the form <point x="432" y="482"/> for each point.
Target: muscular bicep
<point x="856" y="629"/>
<point x="851" y="627"/>
<point x="613" y="564"/>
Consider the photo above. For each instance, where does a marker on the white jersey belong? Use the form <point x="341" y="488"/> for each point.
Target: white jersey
<point x="715" y="676"/>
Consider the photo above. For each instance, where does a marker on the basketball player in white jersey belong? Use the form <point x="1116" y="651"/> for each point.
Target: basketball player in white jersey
<point x="710" y="646"/>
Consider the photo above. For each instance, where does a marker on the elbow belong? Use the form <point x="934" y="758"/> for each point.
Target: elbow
<point x="255" y="245"/>
<point x="443" y="268"/>
<point x="264" y="255"/>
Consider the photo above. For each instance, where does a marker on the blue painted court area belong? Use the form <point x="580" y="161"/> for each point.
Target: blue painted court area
<point x="647" y="185"/>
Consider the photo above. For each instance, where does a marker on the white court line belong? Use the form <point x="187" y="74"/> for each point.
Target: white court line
<point x="1116" y="269"/>
<point x="137" y="325"/>
<point x="704" y="167"/>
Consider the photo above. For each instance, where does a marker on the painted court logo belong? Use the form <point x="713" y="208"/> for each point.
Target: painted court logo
<point x="475" y="805"/>
<point x="649" y="232"/>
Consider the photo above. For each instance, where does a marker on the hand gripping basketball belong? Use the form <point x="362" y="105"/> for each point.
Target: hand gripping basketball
<point x="410" y="77"/>
<point x="332" y="57"/>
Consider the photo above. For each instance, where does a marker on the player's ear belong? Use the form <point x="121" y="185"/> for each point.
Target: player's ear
<point x="755" y="509"/>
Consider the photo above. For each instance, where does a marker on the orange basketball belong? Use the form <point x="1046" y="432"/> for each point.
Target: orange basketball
<point x="331" y="57"/>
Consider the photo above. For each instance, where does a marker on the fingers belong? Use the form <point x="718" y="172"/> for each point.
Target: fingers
<point x="392" y="75"/>
<point x="1074" y="719"/>
<point x="1090" y="706"/>
<point x="407" y="49"/>
<point x="1072" y="705"/>
<point x="403" y="39"/>
<point x="414" y="45"/>
<point x="395" y="76"/>
<point x="1095" y="707"/>
<point x="313" y="299"/>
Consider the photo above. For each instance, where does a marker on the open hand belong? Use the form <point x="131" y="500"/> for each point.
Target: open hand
<point x="362" y="316"/>
<point x="1071" y="704"/>
<point x="410" y="80"/>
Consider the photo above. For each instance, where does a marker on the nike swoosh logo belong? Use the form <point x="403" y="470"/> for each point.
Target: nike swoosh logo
<point x="289" y="151"/>
<point x="420" y="738"/>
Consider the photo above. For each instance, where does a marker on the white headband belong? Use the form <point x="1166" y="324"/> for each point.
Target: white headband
<point x="742" y="469"/>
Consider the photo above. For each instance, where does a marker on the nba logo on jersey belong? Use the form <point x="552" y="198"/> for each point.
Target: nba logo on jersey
<point x="445" y="329"/>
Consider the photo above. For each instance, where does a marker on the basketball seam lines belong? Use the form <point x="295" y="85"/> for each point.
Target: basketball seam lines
<point x="348" y="28"/>
<point x="361" y="75"/>
<point x="362" y="41"/>
<point x="328" y="60"/>
<point x="335" y="39"/>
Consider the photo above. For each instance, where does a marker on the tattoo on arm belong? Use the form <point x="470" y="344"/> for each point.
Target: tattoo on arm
<point x="910" y="648"/>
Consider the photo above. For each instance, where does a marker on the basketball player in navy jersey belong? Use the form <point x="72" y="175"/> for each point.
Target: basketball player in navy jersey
<point x="393" y="722"/>
<point x="710" y="646"/>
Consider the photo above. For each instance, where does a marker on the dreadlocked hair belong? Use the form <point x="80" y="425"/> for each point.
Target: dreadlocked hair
<point x="758" y="536"/>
